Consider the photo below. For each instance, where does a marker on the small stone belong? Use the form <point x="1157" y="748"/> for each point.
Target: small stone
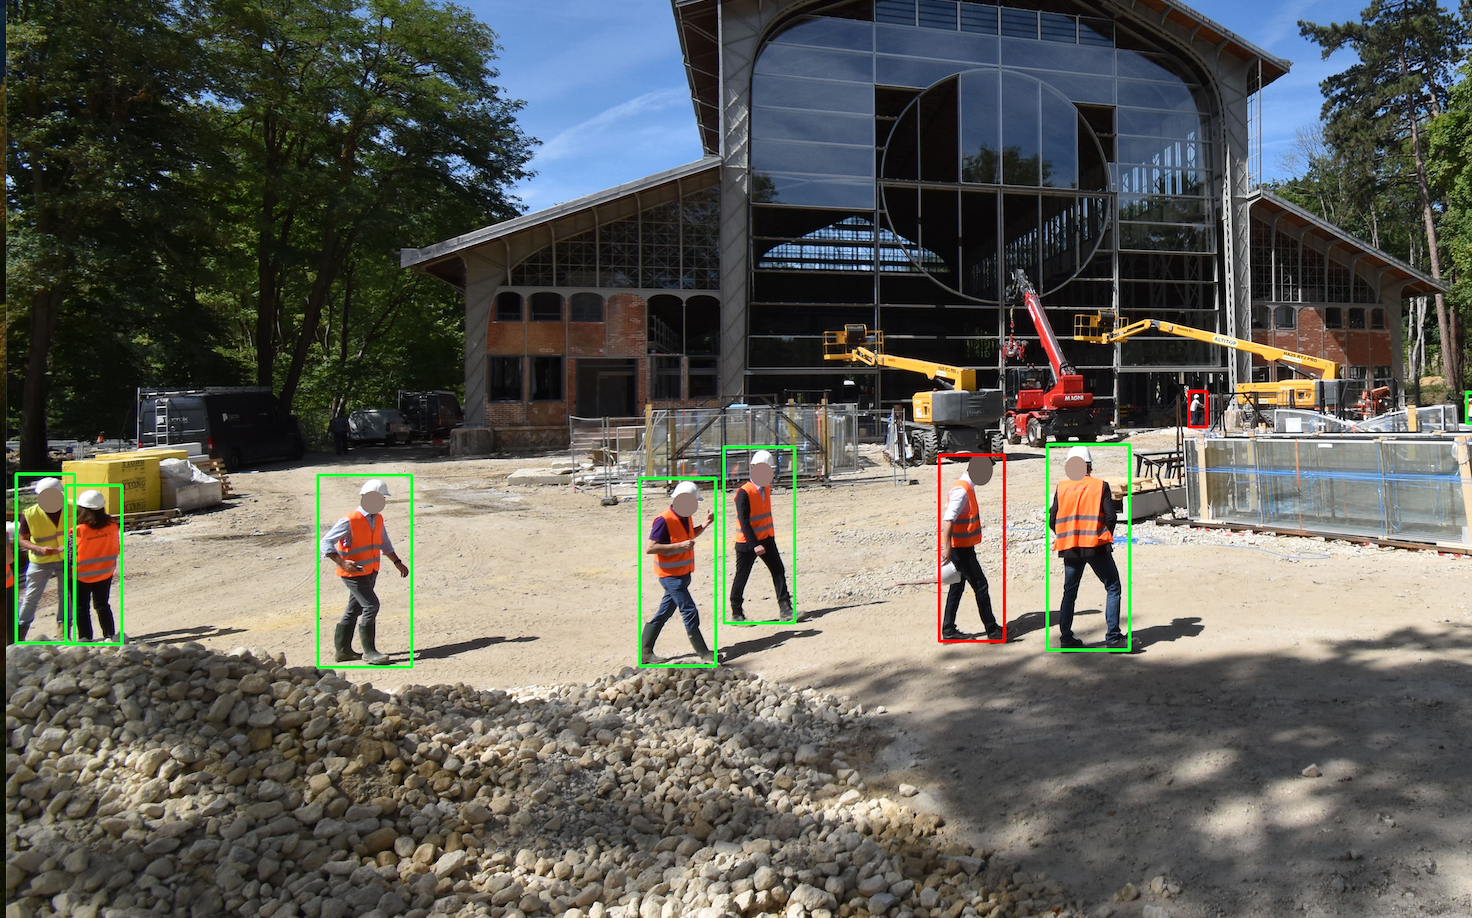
<point x="881" y="903"/>
<point x="450" y="862"/>
<point x="764" y="878"/>
<point x="1311" y="772"/>
<point x="908" y="790"/>
<point x="1338" y="885"/>
<point x="1154" y="911"/>
<point x="380" y="840"/>
<point x="1127" y="893"/>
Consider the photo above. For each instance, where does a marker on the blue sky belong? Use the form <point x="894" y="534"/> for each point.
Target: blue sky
<point x="605" y="88"/>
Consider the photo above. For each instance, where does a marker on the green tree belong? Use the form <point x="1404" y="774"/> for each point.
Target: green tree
<point x="347" y="117"/>
<point x="1378" y="108"/>
<point x="105" y="126"/>
<point x="1450" y="142"/>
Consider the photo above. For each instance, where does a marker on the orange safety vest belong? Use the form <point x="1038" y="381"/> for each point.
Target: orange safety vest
<point x="677" y="565"/>
<point x="9" y="570"/>
<point x="966" y="528"/>
<point x="364" y="543"/>
<point x="761" y="513"/>
<point x="1080" y="522"/>
<point x="97" y="552"/>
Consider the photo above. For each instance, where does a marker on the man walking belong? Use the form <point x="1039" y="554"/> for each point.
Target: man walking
<point x="354" y="544"/>
<point x="41" y="533"/>
<point x="1082" y="519"/>
<point x="1197" y="411"/>
<point x="960" y="533"/>
<point x="756" y="537"/>
<point x="339" y="429"/>
<point x="672" y="543"/>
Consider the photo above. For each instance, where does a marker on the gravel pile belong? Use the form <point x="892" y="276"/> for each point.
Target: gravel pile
<point x="173" y="780"/>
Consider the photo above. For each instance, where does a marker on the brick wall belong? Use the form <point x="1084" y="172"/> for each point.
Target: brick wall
<point x="1348" y="347"/>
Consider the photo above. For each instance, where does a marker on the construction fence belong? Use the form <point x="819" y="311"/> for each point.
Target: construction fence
<point x="689" y="441"/>
<point x="1406" y="487"/>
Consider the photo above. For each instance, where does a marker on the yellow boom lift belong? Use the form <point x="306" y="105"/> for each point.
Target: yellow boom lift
<point x="961" y="418"/>
<point x="1309" y="392"/>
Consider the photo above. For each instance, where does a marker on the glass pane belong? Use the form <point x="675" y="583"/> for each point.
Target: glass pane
<point x="979" y="19"/>
<point x="1162" y="152"/>
<point x="1051" y="58"/>
<point x="1059" y="27"/>
<point x="822" y="158"/>
<point x="789" y="60"/>
<point x="618" y="253"/>
<point x="818" y="95"/>
<point x="1138" y="94"/>
<point x="812" y="190"/>
<point x="1019" y="23"/>
<point x="1060" y="123"/>
<point x="828" y="32"/>
<point x="930" y="44"/>
<point x="1170" y="237"/>
<point x="936" y="110"/>
<point x="1099" y="32"/>
<point x="1020" y="235"/>
<point x="787" y="124"/>
<point x="981" y="127"/>
<point x="1020" y="129"/>
<point x="939" y="231"/>
<point x="938" y="14"/>
<point x="908" y="71"/>
<point x="1160" y="124"/>
<point x="901" y="12"/>
<point x="979" y="275"/>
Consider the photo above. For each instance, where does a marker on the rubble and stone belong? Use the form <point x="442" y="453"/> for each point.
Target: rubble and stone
<point x="177" y="780"/>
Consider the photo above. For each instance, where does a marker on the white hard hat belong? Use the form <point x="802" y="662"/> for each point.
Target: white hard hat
<point x="763" y="458"/>
<point x="375" y="484"/>
<point x="1083" y="453"/>
<point x="46" y="484"/>
<point x="949" y="574"/>
<point x="92" y="500"/>
<point x="686" y="487"/>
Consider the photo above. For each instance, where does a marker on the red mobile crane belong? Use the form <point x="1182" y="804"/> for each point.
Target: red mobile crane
<point x="1064" y="412"/>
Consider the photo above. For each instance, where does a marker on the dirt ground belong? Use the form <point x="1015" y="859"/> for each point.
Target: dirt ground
<point x="1254" y="657"/>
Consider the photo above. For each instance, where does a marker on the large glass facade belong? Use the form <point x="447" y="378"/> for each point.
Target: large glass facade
<point x="908" y="155"/>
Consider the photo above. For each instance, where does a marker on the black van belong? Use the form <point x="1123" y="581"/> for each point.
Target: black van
<point x="431" y="414"/>
<point x="242" y="425"/>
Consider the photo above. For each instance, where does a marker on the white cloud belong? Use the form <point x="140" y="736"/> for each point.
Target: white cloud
<point x="580" y="139"/>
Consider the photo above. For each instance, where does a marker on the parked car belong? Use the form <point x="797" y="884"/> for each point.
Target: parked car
<point x="431" y="414"/>
<point x="242" y="425"/>
<point x="378" y="425"/>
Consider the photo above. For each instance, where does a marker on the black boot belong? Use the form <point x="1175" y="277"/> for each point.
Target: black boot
<point x="697" y="640"/>
<point x="22" y="635"/>
<point x="370" y="653"/>
<point x="738" y="614"/>
<point x="342" y="643"/>
<point x="647" y="656"/>
<point x="784" y="610"/>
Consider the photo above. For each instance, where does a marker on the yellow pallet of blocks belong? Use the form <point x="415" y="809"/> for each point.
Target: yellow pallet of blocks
<point x="136" y="472"/>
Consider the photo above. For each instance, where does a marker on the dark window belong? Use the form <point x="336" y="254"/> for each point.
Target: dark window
<point x="666" y="383"/>
<point x="1383" y="376"/>
<point x="666" y="333"/>
<point x="702" y="325"/>
<point x="1285" y="317"/>
<point x="1262" y="374"/>
<point x="586" y="307"/>
<point x="1355" y="372"/>
<point x="508" y="307"/>
<point x="1333" y="317"/>
<point x="1377" y="318"/>
<point x="1356" y="318"/>
<point x="503" y="381"/>
<point x="546" y="307"/>
<point x="546" y="379"/>
<point x="1261" y="316"/>
<point x="703" y="382"/>
<point x="1285" y="373"/>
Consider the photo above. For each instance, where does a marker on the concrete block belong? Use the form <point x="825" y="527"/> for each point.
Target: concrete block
<point x="472" y="441"/>
<point x="540" y="477"/>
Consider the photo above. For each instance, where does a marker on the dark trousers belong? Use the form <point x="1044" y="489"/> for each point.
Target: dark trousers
<point x="340" y="443"/>
<point x="746" y="560"/>
<point x="676" y="596"/>
<point x="95" y="595"/>
<point x="362" y="601"/>
<point x="1108" y="574"/>
<point x="967" y="565"/>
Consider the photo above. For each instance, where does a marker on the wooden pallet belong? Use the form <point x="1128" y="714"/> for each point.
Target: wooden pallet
<point x="216" y="469"/>
<point x="149" y="519"/>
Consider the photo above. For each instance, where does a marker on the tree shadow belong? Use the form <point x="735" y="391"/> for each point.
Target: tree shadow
<point x="445" y="651"/>
<point x="1194" y="764"/>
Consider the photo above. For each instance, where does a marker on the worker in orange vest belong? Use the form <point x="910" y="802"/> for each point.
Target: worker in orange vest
<point x="98" y="548"/>
<point x="1082" y="519"/>
<point x="354" y="544"/>
<point x="672" y="543"/>
<point x="9" y="590"/>
<point x="960" y="533"/>
<point x="756" y="537"/>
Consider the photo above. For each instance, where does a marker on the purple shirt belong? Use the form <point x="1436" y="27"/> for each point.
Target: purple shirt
<point x="659" y="533"/>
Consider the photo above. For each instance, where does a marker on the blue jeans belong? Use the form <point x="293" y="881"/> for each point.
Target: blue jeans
<point x="676" y="593"/>
<point x="1108" y="574"/>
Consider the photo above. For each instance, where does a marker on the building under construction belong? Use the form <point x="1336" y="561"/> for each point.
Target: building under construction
<point x="890" y="163"/>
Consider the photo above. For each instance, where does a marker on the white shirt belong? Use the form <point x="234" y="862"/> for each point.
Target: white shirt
<point x="958" y="499"/>
<point x="341" y="532"/>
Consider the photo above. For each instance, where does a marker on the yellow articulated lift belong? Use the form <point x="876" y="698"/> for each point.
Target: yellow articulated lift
<point x="1322" y="392"/>
<point x="962" y="418"/>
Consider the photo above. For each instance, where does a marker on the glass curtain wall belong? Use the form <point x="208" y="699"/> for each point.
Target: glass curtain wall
<point x="907" y="155"/>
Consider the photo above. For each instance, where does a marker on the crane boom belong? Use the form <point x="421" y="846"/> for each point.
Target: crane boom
<point x="1097" y="330"/>
<point x="1060" y="364"/>
<point x="855" y="344"/>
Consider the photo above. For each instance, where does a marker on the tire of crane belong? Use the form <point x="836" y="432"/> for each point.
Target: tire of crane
<point x="1012" y="436"/>
<point x="929" y="447"/>
<point x="1035" y="437"/>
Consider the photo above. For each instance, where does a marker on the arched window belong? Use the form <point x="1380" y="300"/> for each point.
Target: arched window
<point x="1285" y="317"/>
<point x="1356" y="318"/>
<point x="508" y="306"/>
<point x="666" y="334"/>
<point x="586" y="307"/>
<point x="1377" y="318"/>
<point x="546" y="307"/>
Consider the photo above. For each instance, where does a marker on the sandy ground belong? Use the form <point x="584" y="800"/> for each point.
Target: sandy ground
<point x="1254" y="657"/>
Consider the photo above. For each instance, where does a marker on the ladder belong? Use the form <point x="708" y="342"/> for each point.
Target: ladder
<point x="161" y="422"/>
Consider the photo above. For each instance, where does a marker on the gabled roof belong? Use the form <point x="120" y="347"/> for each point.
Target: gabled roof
<point x="410" y="258"/>
<point x="1412" y="282"/>
<point x="698" y="27"/>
